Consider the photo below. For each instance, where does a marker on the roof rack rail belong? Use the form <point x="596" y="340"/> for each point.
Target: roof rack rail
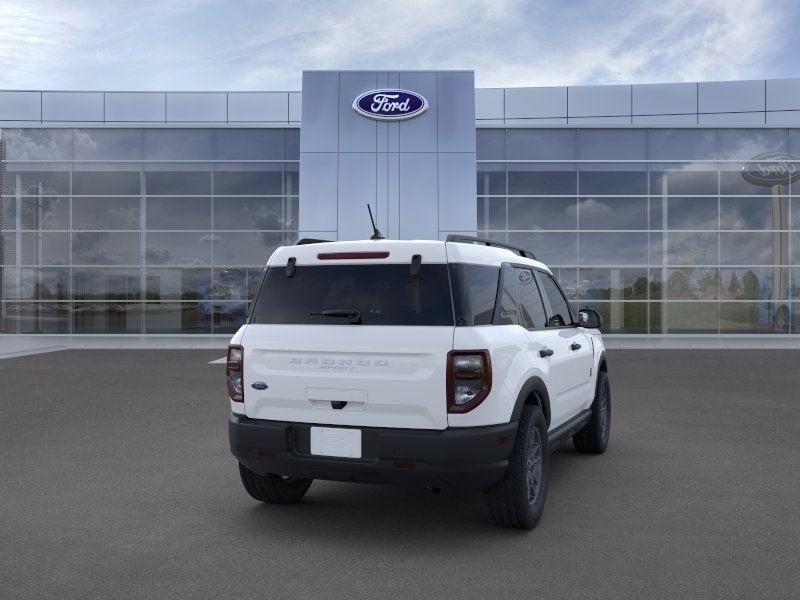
<point x="305" y="241"/>
<point x="468" y="239"/>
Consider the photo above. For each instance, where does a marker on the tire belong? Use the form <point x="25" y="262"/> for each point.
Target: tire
<point x="593" y="438"/>
<point x="274" y="489"/>
<point x="518" y="500"/>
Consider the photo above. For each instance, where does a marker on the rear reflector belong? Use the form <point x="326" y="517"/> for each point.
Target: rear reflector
<point x="351" y="255"/>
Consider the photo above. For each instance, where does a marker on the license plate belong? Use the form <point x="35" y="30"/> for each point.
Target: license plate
<point x="336" y="441"/>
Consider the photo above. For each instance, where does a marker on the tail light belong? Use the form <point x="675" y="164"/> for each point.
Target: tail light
<point x="234" y="373"/>
<point x="469" y="379"/>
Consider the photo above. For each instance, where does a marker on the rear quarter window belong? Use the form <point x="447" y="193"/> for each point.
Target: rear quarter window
<point x="474" y="293"/>
<point x="383" y="294"/>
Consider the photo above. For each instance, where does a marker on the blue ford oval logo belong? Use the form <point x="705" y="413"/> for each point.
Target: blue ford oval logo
<point x="390" y="105"/>
<point x="772" y="168"/>
<point x="259" y="385"/>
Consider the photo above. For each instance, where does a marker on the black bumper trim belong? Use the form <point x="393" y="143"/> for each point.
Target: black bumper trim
<point x="461" y="459"/>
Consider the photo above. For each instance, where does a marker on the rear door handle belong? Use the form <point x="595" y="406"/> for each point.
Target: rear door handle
<point x="575" y="346"/>
<point x="545" y="352"/>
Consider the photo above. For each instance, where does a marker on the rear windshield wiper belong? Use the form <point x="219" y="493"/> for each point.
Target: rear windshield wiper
<point x="347" y="313"/>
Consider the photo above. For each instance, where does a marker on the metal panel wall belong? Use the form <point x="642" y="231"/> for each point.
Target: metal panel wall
<point x="417" y="174"/>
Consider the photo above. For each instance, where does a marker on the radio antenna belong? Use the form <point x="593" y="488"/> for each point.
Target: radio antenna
<point x="376" y="234"/>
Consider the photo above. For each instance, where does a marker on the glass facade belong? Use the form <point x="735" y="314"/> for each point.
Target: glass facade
<point x="659" y="230"/>
<point x="133" y="231"/>
<point x="166" y="231"/>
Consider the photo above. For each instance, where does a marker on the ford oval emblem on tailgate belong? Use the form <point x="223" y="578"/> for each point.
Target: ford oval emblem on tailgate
<point x="259" y="385"/>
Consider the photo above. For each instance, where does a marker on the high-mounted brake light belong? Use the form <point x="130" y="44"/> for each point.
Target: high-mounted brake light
<point x="234" y="372"/>
<point x="351" y="255"/>
<point x="469" y="379"/>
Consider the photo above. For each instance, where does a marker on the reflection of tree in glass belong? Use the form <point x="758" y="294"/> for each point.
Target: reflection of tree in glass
<point x="750" y="286"/>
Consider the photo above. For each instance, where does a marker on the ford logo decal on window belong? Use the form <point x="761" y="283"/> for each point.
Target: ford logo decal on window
<point x="390" y="105"/>
<point x="772" y="168"/>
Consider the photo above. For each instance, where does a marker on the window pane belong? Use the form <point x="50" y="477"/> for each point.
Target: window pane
<point x="752" y="283"/>
<point x="249" y="213"/>
<point x="184" y="317"/>
<point x="745" y="144"/>
<point x="8" y="214"/>
<point x="30" y="317"/>
<point x="240" y="249"/>
<point x="235" y="284"/>
<point x="474" y="291"/>
<point x="613" y="248"/>
<point x="693" y="284"/>
<point x="682" y="144"/>
<point x="178" y="284"/>
<point x="45" y="248"/>
<point x="178" y="144"/>
<point x="507" y="302"/>
<point x="252" y="180"/>
<point x="747" y="317"/>
<point x="106" y="284"/>
<point x="683" y="183"/>
<point x="106" y="213"/>
<point x="106" y="248"/>
<point x="542" y="179"/>
<point x="752" y="213"/>
<point x="613" y="284"/>
<point x="795" y="216"/>
<point x="692" y="249"/>
<point x="692" y="213"/>
<point x="732" y="182"/>
<point x="291" y="144"/>
<point x="291" y="178"/>
<point x="383" y="294"/>
<point x="38" y="144"/>
<point x="41" y="284"/>
<point x="691" y="317"/>
<point x="542" y="144"/>
<point x="491" y="178"/>
<point x="180" y="183"/>
<point x="551" y="248"/>
<point x="229" y="317"/>
<point x="542" y="213"/>
<point x="45" y="212"/>
<point x="613" y="144"/>
<point x="491" y="213"/>
<point x="746" y="248"/>
<point x="613" y="182"/>
<point x="178" y="213"/>
<point x="612" y="213"/>
<point x="116" y="183"/>
<point x="107" y="144"/>
<point x="656" y="213"/>
<point x="530" y="301"/>
<point x="491" y="144"/>
<point x="621" y="317"/>
<point x="559" y="307"/>
<point x="248" y="144"/>
<point x="178" y="248"/>
<point x="568" y="280"/>
<point x="102" y="317"/>
<point x="33" y="180"/>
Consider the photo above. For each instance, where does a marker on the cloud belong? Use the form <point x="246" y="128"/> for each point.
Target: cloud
<point x="207" y="44"/>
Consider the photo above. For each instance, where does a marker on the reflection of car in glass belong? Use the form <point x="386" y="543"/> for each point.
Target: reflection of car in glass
<point x="456" y="364"/>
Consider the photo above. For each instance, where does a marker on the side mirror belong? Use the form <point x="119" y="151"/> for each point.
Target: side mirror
<point x="589" y="318"/>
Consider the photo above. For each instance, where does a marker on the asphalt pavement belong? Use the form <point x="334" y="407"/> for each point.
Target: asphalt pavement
<point x="116" y="482"/>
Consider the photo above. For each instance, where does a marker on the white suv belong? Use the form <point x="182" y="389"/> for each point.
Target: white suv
<point x="456" y="364"/>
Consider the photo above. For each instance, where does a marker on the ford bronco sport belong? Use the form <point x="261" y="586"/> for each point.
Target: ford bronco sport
<point x="453" y="364"/>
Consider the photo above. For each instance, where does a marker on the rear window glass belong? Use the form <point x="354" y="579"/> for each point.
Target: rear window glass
<point x="385" y="294"/>
<point x="474" y="293"/>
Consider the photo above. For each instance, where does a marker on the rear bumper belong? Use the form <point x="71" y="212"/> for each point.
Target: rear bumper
<point x="463" y="459"/>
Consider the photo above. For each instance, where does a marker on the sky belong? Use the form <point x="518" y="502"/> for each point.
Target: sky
<point x="265" y="45"/>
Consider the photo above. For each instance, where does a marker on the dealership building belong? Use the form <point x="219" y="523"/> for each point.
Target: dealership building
<point x="672" y="209"/>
